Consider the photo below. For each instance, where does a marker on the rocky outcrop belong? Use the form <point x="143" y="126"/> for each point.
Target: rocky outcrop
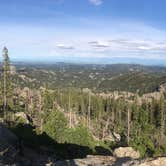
<point x="23" y="116"/>
<point x="90" y="160"/>
<point x="160" y="161"/>
<point x="126" y="152"/>
<point x="128" y="96"/>
<point x="113" y="137"/>
<point x="8" y="145"/>
<point x="112" y="161"/>
<point x="6" y="136"/>
<point x="123" y="156"/>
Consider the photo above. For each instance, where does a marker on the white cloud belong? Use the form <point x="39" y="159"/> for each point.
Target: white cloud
<point x="65" y="47"/>
<point x="96" y="2"/>
<point x="97" y="44"/>
<point x="138" y="45"/>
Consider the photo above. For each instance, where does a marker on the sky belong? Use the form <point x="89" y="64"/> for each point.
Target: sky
<point x="84" y="31"/>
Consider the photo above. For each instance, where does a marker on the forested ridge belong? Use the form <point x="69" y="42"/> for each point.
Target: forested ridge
<point x="99" y="78"/>
<point x="44" y="115"/>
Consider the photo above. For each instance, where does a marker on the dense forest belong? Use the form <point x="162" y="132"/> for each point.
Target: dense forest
<point x="88" y="106"/>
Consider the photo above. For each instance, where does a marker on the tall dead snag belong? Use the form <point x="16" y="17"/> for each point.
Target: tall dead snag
<point x="128" y="126"/>
<point x="69" y="108"/>
<point x="39" y="101"/>
<point x="162" y="119"/>
<point x="40" y="105"/>
<point x="105" y="128"/>
<point x="89" y="110"/>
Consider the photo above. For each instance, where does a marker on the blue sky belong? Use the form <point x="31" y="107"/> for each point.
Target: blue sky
<point x="90" y="31"/>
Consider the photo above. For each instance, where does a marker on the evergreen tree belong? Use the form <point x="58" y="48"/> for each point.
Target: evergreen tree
<point x="7" y="94"/>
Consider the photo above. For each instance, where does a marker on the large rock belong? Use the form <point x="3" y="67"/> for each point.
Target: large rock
<point x="113" y="137"/>
<point x="90" y="160"/>
<point x="8" y="145"/>
<point x="160" y="161"/>
<point x="6" y="136"/>
<point x="126" y="152"/>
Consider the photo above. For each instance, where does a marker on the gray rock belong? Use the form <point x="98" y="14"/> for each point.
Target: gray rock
<point x="23" y="116"/>
<point x="7" y="137"/>
<point x="90" y="160"/>
<point x="160" y="161"/>
<point x="123" y="152"/>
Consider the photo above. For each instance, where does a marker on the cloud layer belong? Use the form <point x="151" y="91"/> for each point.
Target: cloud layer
<point x="65" y="47"/>
<point x="97" y="44"/>
<point x="96" y="2"/>
<point x="130" y="45"/>
<point x="94" y="41"/>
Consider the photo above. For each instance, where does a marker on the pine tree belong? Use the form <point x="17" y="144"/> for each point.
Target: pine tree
<point x="6" y="81"/>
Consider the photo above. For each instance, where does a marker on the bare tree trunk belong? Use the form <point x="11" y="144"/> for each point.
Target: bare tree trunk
<point x="28" y="100"/>
<point x="89" y="111"/>
<point x="31" y="104"/>
<point x="113" y="120"/>
<point x="41" y="125"/>
<point x="105" y="128"/>
<point x="128" y="126"/>
<point x="151" y="115"/>
<point x="70" y="116"/>
<point x="162" y="121"/>
<point x="40" y="102"/>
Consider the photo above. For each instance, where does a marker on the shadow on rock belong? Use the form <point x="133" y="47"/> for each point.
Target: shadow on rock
<point x="124" y="160"/>
<point x="43" y="149"/>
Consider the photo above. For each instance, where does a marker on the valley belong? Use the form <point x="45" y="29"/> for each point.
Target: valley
<point x="69" y="111"/>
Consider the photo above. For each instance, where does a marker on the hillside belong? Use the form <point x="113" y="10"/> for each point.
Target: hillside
<point x="67" y="111"/>
<point x="99" y="78"/>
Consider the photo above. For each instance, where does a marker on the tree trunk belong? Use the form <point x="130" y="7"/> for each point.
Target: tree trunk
<point x="128" y="126"/>
<point x="89" y="110"/>
<point x="70" y="116"/>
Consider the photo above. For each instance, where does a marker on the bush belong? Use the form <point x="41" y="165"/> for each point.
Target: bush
<point x="56" y="126"/>
<point x="80" y="136"/>
<point x="144" y="145"/>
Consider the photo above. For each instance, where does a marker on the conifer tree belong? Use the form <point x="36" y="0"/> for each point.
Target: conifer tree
<point x="6" y="80"/>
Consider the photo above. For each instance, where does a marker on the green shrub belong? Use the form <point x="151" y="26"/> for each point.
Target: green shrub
<point x="56" y="126"/>
<point x="80" y="136"/>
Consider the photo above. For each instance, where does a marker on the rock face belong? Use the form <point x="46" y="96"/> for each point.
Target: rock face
<point x="6" y="136"/>
<point x="111" y="161"/>
<point x="8" y="142"/>
<point x="160" y="161"/>
<point x="23" y="116"/>
<point x="113" y="137"/>
<point x="90" y="160"/>
<point x="126" y="152"/>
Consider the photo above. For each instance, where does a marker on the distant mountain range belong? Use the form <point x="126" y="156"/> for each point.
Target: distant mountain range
<point x="122" y="77"/>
